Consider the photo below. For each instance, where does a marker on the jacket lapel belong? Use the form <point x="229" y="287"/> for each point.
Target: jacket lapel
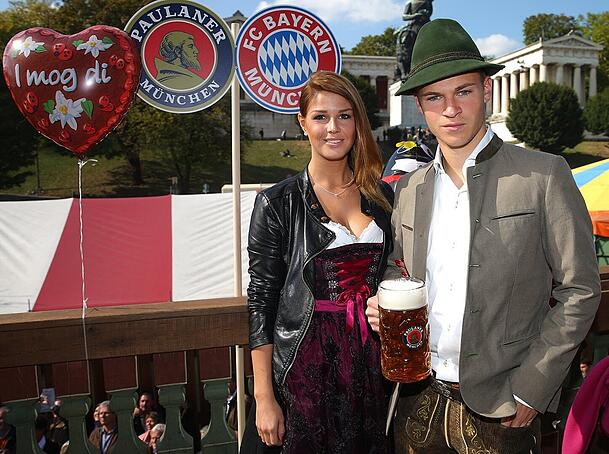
<point x="422" y="220"/>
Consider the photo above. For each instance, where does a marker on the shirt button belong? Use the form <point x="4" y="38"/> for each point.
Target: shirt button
<point x="445" y="363"/>
<point x="314" y="206"/>
<point x="325" y="219"/>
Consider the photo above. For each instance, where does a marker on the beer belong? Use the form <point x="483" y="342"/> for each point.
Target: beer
<point x="404" y="330"/>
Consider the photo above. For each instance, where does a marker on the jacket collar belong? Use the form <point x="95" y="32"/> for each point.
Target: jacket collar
<point x="312" y="202"/>
<point x="490" y="150"/>
<point x="424" y="202"/>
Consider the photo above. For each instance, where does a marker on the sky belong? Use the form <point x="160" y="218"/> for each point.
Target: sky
<point x="496" y="26"/>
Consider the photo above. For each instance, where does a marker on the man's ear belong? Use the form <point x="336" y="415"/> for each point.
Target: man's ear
<point x="487" y="85"/>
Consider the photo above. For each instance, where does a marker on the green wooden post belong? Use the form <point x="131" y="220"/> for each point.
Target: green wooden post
<point x="74" y="409"/>
<point x="123" y="403"/>
<point x="175" y="439"/>
<point x="22" y="415"/>
<point x="220" y="439"/>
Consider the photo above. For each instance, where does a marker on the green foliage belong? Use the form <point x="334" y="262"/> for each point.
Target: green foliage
<point x="546" y="116"/>
<point x="76" y="15"/>
<point x="596" y="28"/>
<point x="17" y="141"/>
<point x="596" y="113"/>
<point x="547" y="26"/>
<point x="369" y="97"/>
<point x="192" y="142"/>
<point x="380" y="45"/>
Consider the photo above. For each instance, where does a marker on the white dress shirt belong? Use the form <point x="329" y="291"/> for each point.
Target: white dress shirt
<point x="447" y="265"/>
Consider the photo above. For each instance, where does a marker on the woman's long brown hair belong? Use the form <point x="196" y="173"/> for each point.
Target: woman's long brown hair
<point x="364" y="157"/>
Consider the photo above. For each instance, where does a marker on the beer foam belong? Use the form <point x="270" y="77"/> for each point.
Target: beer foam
<point x="402" y="294"/>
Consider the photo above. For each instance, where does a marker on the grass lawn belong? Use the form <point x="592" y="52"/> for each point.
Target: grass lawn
<point x="261" y="162"/>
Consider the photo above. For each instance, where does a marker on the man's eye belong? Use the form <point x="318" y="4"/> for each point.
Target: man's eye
<point x="464" y="92"/>
<point x="432" y="98"/>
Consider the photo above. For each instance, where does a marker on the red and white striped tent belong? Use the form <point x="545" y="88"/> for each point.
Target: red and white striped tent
<point x="136" y="250"/>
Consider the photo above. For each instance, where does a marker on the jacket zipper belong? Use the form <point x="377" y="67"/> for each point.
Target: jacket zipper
<point x="309" y="318"/>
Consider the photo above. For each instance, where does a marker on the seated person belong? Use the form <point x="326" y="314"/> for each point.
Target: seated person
<point x="155" y="436"/>
<point x="146" y="404"/>
<point x="41" y="428"/>
<point x="106" y="435"/>
<point x="152" y="419"/>
<point x="7" y="434"/>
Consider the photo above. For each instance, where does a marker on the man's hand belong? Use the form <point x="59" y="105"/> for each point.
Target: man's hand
<point x="524" y="416"/>
<point x="372" y="312"/>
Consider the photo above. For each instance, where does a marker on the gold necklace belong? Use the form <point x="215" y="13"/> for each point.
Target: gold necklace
<point x="335" y="194"/>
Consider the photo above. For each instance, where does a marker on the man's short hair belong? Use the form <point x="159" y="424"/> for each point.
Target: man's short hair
<point x="105" y="403"/>
<point x="159" y="428"/>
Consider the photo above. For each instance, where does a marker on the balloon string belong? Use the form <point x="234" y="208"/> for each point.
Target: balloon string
<point x="81" y="164"/>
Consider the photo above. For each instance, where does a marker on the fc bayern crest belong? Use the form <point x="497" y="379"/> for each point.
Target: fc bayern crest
<point x="187" y="55"/>
<point x="277" y="51"/>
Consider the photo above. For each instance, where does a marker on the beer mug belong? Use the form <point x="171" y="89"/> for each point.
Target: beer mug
<point x="404" y="330"/>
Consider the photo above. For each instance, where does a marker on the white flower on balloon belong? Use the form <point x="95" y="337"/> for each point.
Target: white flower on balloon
<point x="66" y="110"/>
<point x="94" y="46"/>
<point x="28" y="45"/>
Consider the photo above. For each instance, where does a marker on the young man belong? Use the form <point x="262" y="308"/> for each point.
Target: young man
<point x="503" y="240"/>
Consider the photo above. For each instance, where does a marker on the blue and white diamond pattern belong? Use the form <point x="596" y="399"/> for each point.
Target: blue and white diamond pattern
<point x="287" y="58"/>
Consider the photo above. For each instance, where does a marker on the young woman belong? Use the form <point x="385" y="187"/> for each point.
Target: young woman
<point x="318" y="245"/>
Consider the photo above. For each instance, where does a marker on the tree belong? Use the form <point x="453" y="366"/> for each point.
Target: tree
<point x="76" y="15"/>
<point x="596" y="113"/>
<point x="381" y="45"/>
<point x="369" y="97"/>
<point x="546" y="116"/>
<point x="18" y="141"/>
<point x="596" y="28"/>
<point x="191" y="143"/>
<point x="547" y="26"/>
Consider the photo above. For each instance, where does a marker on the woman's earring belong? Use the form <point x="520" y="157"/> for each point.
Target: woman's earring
<point x="305" y="133"/>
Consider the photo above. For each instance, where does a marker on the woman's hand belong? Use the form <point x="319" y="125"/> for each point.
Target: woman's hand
<point x="270" y="421"/>
<point x="372" y="312"/>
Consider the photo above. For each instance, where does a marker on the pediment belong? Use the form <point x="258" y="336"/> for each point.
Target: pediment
<point x="572" y="40"/>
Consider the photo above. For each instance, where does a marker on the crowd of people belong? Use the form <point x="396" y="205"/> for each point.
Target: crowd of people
<point x="52" y="432"/>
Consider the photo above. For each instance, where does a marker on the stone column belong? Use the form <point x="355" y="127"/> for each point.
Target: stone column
<point x="513" y="85"/>
<point x="496" y="95"/>
<point x="577" y="84"/>
<point x="533" y="76"/>
<point x="592" y="88"/>
<point x="505" y="94"/>
<point x="524" y="83"/>
<point x="543" y="72"/>
<point x="560" y="74"/>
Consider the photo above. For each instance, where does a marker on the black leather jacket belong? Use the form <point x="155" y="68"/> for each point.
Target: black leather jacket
<point x="286" y="233"/>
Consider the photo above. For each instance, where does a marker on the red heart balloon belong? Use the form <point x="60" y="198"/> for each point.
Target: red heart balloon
<point x="73" y="89"/>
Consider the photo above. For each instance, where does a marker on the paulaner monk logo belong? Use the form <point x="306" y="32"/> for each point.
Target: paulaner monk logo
<point x="187" y="55"/>
<point x="277" y="51"/>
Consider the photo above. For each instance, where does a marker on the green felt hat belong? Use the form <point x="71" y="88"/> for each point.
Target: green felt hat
<point x="443" y="49"/>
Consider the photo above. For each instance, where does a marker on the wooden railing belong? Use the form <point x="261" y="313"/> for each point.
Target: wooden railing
<point x="180" y="350"/>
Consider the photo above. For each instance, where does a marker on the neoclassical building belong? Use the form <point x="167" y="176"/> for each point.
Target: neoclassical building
<point x="569" y="60"/>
